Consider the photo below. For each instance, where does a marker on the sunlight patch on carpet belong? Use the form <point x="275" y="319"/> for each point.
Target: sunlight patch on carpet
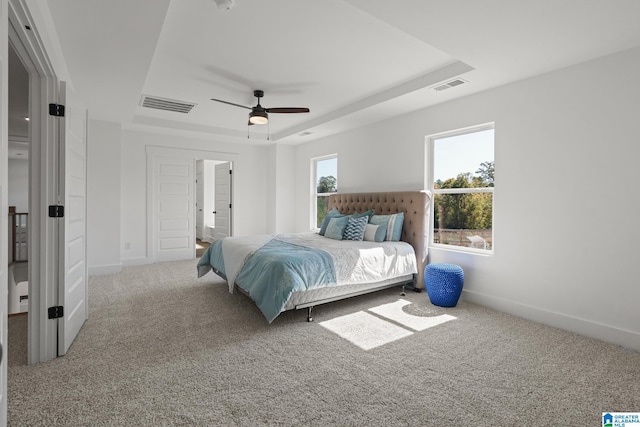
<point x="393" y="311"/>
<point x="368" y="331"/>
<point x="365" y="330"/>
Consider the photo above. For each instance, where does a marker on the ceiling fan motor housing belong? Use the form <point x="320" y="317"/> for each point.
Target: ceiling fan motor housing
<point x="259" y="115"/>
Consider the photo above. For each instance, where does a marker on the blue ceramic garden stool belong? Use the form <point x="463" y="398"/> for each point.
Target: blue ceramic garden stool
<point x="443" y="283"/>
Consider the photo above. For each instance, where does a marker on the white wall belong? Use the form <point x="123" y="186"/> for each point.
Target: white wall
<point x="103" y="197"/>
<point x="566" y="154"/>
<point x="249" y="185"/>
<point x="18" y="188"/>
<point x="281" y="191"/>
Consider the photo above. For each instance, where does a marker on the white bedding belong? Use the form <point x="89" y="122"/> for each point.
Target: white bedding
<point x="360" y="261"/>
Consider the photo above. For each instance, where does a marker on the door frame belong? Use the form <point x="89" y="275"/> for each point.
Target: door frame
<point x="43" y="179"/>
<point x="199" y="174"/>
<point x="4" y="205"/>
<point x="184" y="153"/>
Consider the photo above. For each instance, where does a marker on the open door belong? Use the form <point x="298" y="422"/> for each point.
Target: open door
<point x="73" y="276"/>
<point x="223" y="201"/>
<point x="199" y="199"/>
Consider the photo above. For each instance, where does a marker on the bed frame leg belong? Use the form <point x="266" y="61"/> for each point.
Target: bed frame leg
<point x="309" y="318"/>
<point x="402" y="294"/>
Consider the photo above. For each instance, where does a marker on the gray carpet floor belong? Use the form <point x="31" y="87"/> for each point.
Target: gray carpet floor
<point x="162" y="347"/>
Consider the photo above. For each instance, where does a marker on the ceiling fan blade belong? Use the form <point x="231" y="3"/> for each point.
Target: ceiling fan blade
<point x="231" y="103"/>
<point x="287" y="110"/>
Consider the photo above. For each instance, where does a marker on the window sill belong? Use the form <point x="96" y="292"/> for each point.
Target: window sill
<point x="461" y="250"/>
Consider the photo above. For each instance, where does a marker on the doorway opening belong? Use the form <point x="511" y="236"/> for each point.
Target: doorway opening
<point x="46" y="188"/>
<point x="18" y="196"/>
<point x="189" y="201"/>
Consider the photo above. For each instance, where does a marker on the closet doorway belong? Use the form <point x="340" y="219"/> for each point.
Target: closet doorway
<point x="189" y="199"/>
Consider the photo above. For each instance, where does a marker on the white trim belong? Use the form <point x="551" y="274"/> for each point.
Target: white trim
<point x="462" y="190"/>
<point x="6" y="274"/>
<point x="463" y="131"/>
<point x="429" y="184"/>
<point x="133" y="262"/>
<point x="100" y="270"/>
<point x="43" y="88"/>
<point x="461" y="249"/>
<point x="580" y="326"/>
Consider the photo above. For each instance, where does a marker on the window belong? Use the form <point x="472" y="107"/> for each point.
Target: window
<point x="325" y="172"/>
<point x="462" y="184"/>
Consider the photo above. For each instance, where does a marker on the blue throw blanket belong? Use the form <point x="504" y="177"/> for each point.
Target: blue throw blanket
<point x="274" y="271"/>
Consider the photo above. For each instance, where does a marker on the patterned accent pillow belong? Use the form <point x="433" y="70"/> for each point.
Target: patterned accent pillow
<point x="355" y="228"/>
<point x="335" y="228"/>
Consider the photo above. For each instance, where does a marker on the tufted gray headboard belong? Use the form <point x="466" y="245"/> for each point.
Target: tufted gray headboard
<point x="414" y="204"/>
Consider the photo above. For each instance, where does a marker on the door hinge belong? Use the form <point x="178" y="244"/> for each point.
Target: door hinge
<point x="56" y="110"/>
<point x="229" y="205"/>
<point x="230" y="172"/>
<point x="56" y="312"/>
<point x="56" y="211"/>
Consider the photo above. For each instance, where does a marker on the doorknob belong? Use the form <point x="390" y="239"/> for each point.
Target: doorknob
<point x="214" y="212"/>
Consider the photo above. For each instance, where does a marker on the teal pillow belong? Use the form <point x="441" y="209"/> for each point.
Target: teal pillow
<point x="392" y="224"/>
<point x="335" y="228"/>
<point x="374" y="233"/>
<point x="368" y="214"/>
<point x="333" y="213"/>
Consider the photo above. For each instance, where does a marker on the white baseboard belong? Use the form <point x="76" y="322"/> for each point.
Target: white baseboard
<point x="99" y="270"/>
<point x="610" y="334"/>
<point x="136" y="261"/>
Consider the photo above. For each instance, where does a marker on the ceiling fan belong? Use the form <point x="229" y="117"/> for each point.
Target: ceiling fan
<point x="259" y="115"/>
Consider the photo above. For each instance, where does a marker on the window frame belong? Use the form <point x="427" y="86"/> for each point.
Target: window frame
<point x="314" y="187"/>
<point x="430" y="178"/>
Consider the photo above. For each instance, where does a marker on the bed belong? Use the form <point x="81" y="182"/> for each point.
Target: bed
<point x="296" y="271"/>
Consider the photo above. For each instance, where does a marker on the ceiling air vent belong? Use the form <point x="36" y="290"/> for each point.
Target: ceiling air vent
<point x="449" y="85"/>
<point x="166" y="104"/>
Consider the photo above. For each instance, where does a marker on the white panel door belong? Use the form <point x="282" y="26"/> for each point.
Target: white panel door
<point x="199" y="199"/>
<point x="4" y="206"/>
<point x="223" y="201"/>
<point x="173" y="209"/>
<point x="73" y="288"/>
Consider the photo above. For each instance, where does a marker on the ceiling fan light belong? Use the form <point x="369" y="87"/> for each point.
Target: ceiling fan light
<point x="258" y="117"/>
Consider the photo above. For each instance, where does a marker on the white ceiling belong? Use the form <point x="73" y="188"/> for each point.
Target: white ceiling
<point x="351" y="62"/>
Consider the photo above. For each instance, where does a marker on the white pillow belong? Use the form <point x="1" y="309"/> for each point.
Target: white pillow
<point x="374" y="233"/>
